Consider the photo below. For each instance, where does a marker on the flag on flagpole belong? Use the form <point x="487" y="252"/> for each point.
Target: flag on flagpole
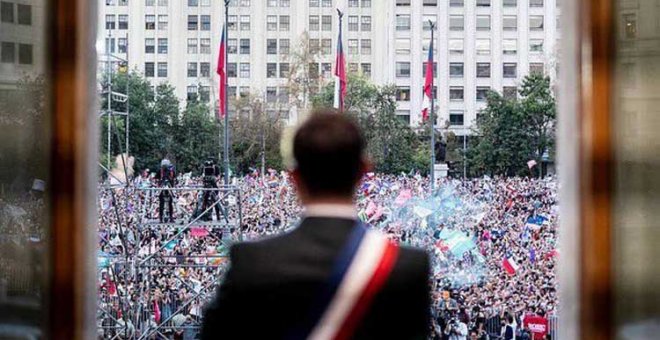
<point x="428" y="84"/>
<point x="510" y="265"/>
<point x="340" y="70"/>
<point x="222" y="72"/>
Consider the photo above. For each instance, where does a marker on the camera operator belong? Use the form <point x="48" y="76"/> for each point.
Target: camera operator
<point x="456" y="329"/>
<point x="166" y="178"/>
<point x="210" y="173"/>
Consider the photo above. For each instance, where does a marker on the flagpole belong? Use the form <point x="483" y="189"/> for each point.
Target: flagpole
<point x="226" y="103"/>
<point x="432" y="118"/>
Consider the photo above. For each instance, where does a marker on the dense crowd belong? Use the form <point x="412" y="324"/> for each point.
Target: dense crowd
<point x="492" y="242"/>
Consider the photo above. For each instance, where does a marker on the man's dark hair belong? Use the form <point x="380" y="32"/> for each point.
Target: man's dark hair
<point x="328" y="149"/>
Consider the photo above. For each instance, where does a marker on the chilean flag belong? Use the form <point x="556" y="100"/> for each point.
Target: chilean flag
<point x="428" y="84"/>
<point x="221" y="70"/>
<point x="510" y="264"/>
<point x="340" y="71"/>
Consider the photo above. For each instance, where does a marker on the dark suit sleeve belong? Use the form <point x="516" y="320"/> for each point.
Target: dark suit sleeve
<point x="422" y="295"/>
<point x="222" y="318"/>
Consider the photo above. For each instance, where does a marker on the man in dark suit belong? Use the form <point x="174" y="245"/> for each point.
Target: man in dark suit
<point x="273" y="286"/>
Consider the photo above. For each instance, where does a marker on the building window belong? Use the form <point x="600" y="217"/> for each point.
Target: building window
<point x="351" y="3"/>
<point x="510" y="92"/>
<point x="313" y="70"/>
<point x="456" y="117"/>
<point x="403" y="93"/>
<point x="366" y="69"/>
<point x="455" y="22"/>
<point x="510" y="23"/>
<point x="403" y="22"/>
<point x="365" y="47"/>
<point x="150" y="22"/>
<point x="231" y="70"/>
<point x="271" y="70"/>
<point x="326" y="70"/>
<point x="536" y="23"/>
<point x="205" y="69"/>
<point x="535" y="3"/>
<point x="8" y="52"/>
<point x="204" y="93"/>
<point x="192" y="46"/>
<point x="206" y="22"/>
<point x="456" y="93"/>
<point x="509" y="46"/>
<point x="232" y="22"/>
<point x="483" y="70"/>
<point x="193" y="22"/>
<point x="313" y="22"/>
<point x="326" y="23"/>
<point x="482" y="93"/>
<point x="193" y="3"/>
<point x="403" y="3"/>
<point x="366" y="3"/>
<point x="483" y="46"/>
<point x="25" y="15"/>
<point x="162" y="2"/>
<point x="205" y="46"/>
<point x="315" y="3"/>
<point x="109" y="21"/>
<point x="272" y="3"/>
<point x="162" y="70"/>
<point x="25" y="54"/>
<point x="353" y="67"/>
<point x="245" y="70"/>
<point x="123" y="22"/>
<point x="509" y="3"/>
<point x="403" y="69"/>
<point x="149" y="45"/>
<point x="483" y="3"/>
<point x="404" y="116"/>
<point x="283" y="95"/>
<point x="426" y="21"/>
<point x="510" y="70"/>
<point x="162" y="46"/>
<point x="284" y="23"/>
<point x="352" y="46"/>
<point x="366" y="23"/>
<point x="245" y="23"/>
<point x="326" y="46"/>
<point x="353" y="23"/>
<point x="122" y="45"/>
<point x="191" y="93"/>
<point x="435" y="68"/>
<point x="430" y="2"/>
<point x="271" y="23"/>
<point x="245" y="46"/>
<point x="630" y="25"/>
<point x="402" y="46"/>
<point x="284" y="46"/>
<point x="426" y="44"/>
<point x="536" y="45"/>
<point x="231" y="92"/>
<point x="271" y="94"/>
<point x="232" y="46"/>
<point x="455" y="3"/>
<point x="149" y="3"/>
<point x="244" y="3"/>
<point x="536" y="68"/>
<point x="326" y="3"/>
<point x="271" y="46"/>
<point x="314" y="46"/>
<point x="149" y="69"/>
<point x="7" y="13"/>
<point x="456" y="46"/>
<point x="192" y="69"/>
<point x="162" y="22"/>
<point x="284" y="70"/>
<point x="483" y="22"/>
<point x="285" y="3"/>
<point x="456" y="70"/>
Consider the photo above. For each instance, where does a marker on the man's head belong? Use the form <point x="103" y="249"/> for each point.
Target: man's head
<point x="328" y="150"/>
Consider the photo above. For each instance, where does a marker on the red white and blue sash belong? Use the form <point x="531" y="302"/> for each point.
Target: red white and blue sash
<point x="359" y="273"/>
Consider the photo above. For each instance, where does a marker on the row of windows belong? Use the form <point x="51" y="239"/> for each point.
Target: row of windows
<point x="457" y="22"/>
<point x="271" y="70"/>
<point x="125" y="3"/>
<point x="11" y="52"/>
<point x="13" y="13"/>
<point x="456" y="70"/>
<point x="271" y="22"/>
<point x="456" y="46"/>
<point x="280" y="3"/>
<point x="479" y="3"/>
<point x="203" y="67"/>
<point x="271" y="46"/>
<point x="456" y="93"/>
<point x="201" y="93"/>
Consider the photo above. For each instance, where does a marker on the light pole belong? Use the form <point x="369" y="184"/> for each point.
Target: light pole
<point x="432" y="118"/>
<point x="226" y="151"/>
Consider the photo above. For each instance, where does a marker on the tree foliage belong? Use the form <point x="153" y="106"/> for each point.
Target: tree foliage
<point x="510" y="132"/>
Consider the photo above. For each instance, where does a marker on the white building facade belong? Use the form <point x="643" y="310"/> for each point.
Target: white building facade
<point x="480" y="45"/>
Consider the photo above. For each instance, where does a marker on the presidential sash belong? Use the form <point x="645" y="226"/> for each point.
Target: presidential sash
<point x="359" y="273"/>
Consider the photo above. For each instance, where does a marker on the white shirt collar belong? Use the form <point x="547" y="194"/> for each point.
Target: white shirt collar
<point x="330" y="210"/>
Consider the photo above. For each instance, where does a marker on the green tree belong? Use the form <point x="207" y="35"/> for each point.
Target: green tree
<point x="195" y="136"/>
<point x="510" y="132"/>
<point x="392" y="145"/>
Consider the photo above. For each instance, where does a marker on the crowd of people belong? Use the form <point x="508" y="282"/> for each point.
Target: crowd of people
<point x="492" y="241"/>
